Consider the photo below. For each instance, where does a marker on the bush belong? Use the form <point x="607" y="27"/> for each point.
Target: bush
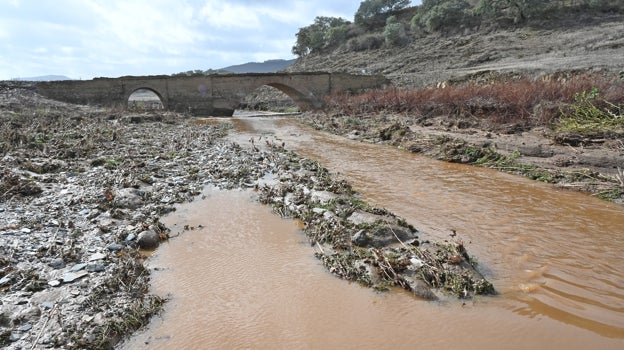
<point x="606" y="5"/>
<point x="366" y="42"/>
<point x="589" y="113"/>
<point x="337" y="35"/>
<point x="444" y="14"/>
<point x="415" y="22"/>
<point x="523" y="102"/>
<point x="394" y="33"/>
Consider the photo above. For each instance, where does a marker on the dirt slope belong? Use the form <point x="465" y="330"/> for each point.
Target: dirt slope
<point x="576" y="42"/>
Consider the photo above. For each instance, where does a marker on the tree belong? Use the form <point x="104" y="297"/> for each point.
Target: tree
<point x="519" y="9"/>
<point x="444" y="13"/>
<point x="394" y="32"/>
<point x="372" y="8"/>
<point x="318" y="35"/>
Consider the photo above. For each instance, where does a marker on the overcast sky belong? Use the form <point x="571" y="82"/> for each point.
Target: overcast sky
<point x="83" y="39"/>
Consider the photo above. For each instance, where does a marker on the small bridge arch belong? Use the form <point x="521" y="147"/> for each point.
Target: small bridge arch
<point x="216" y="95"/>
<point x="145" y="98"/>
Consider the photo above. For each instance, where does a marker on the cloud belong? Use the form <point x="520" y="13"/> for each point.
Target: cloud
<point x="145" y="26"/>
<point x="90" y="38"/>
<point x="219" y="14"/>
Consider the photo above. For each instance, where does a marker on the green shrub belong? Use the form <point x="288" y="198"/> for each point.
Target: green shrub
<point x="590" y="114"/>
<point x="445" y="14"/>
<point x="366" y="42"/>
<point x="394" y="32"/>
<point x="337" y="35"/>
<point x="606" y="5"/>
<point x="415" y="22"/>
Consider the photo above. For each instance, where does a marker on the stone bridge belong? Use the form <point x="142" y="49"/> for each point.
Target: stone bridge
<point x="210" y="95"/>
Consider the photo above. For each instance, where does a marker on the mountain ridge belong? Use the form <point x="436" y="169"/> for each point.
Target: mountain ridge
<point x="268" y="66"/>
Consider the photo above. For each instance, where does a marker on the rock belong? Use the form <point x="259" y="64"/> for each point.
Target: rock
<point x="78" y="267"/>
<point x="25" y="328"/>
<point x="322" y="197"/>
<point x="362" y="217"/>
<point x="54" y="283"/>
<point x="416" y="262"/>
<point x="128" y="198"/>
<point x="72" y="276"/>
<point x="421" y="289"/>
<point x="30" y="313"/>
<point x="130" y="237"/>
<point x="5" y="280"/>
<point x="96" y="267"/>
<point x="25" y="230"/>
<point x="47" y="304"/>
<point x="114" y="247"/>
<point x="383" y="235"/>
<point x="97" y="256"/>
<point x="57" y="263"/>
<point x="319" y="210"/>
<point x="148" y="240"/>
<point x="329" y="215"/>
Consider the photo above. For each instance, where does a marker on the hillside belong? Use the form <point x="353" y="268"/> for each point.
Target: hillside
<point x="270" y="66"/>
<point x="487" y="107"/>
<point x="570" y="42"/>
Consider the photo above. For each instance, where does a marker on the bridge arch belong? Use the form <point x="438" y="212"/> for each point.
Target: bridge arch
<point x="145" y="98"/>
<point x="305" y="101"/>
<point x="302" y="98"/>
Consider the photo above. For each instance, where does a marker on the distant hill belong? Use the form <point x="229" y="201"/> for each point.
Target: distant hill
<point x="44" y="78"/>
<point x="270" y="66"/>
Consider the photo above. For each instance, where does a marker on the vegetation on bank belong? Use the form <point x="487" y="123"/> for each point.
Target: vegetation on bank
<point x="572" y="109"/>
<point x="591" y="105"/>
<point x="389" y="23"/>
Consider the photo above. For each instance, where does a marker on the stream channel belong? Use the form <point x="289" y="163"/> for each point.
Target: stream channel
<point x="247" y="279"/>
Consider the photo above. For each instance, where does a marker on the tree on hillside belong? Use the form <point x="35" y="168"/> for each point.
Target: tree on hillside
<point x="440" y="13"/>
<point x="394" y="32"/>
<point x="370" y="9"/>
<point x="519" y="9"/>
<point x="323" y="32"/>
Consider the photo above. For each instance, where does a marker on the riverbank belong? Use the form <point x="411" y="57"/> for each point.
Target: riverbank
<point x="83" y="188"/>
<point x="559" y="130"/>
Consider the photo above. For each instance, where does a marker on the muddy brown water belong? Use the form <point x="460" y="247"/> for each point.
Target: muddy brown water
<point x="248" y="279"/>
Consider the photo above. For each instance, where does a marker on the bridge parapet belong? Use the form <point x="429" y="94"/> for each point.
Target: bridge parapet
<point x="216" y="95"/>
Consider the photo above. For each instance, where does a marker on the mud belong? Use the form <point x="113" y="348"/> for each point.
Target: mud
<point x="83" y="188"/>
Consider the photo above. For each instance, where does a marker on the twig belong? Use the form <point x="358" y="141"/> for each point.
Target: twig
<point x="320" y="248"/>
<point x="397" y="238"/>
<point x="620" y="176"/>
<point x="44" y="326"/>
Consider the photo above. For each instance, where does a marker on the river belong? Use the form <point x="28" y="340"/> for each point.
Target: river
<point x="248" y="279"/>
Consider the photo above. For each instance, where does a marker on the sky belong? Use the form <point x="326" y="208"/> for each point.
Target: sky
<point x="83" y="39"/>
